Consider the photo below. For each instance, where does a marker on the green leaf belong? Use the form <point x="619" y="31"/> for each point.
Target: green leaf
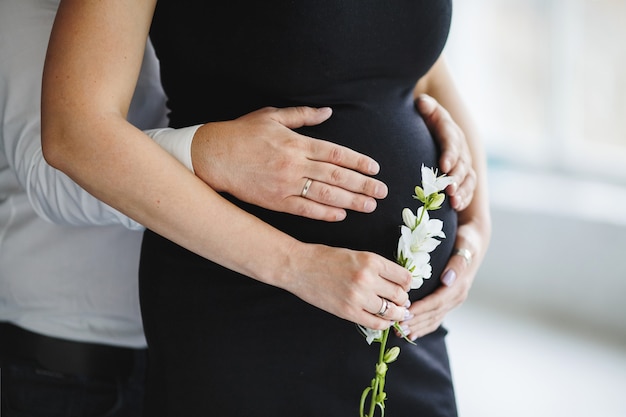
<point x="363" y="399"/>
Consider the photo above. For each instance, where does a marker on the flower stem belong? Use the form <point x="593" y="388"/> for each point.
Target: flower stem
<point x="377" y="383"/>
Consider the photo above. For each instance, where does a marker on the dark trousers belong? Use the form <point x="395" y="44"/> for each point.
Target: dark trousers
<point x="29" y="389"/>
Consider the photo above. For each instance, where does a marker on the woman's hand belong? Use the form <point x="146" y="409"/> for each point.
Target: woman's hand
<point x="361" y="287"/>
<point x="456" y="158"/>
<point x="458" y="276"/>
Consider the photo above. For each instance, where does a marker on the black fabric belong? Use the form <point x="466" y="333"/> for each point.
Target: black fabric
<point x="66" y="356"/>
<point x="224" y="344"/>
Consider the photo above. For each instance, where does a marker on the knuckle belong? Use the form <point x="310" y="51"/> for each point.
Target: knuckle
<point x="399" y="295"/>
<point x="302" y="111"/>
<point x="360" y="278"/>
<point x="367" y="186"/>
<point x="336" y="176"/>
<point x="325" y="194"/>
<point x="336" y="155"/>
<point x="305" y="210"/>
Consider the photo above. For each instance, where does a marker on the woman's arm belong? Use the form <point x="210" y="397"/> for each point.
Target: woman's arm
<point x="474" y="229"/>
<point x="91" y="68"/>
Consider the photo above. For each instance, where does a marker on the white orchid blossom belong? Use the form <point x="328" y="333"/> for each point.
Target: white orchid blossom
<point x="417" y="239"/>
<point x="420" y="238"/>
<point x="431" y="183"/>
<point x="371" y="335"/>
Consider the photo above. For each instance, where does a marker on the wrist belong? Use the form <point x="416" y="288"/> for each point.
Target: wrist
<point x="204" y="147"/>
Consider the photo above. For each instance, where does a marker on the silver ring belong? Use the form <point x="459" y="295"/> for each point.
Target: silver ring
<point x="465" y="254"/>
<point x="383" y="308"/>
<point x="307" y="185"/>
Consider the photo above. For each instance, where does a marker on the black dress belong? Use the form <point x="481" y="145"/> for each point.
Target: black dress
<point x="222" y="344"/>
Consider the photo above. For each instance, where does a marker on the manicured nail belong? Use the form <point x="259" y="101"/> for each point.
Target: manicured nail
<point x="407" y="315"/>
<point x="448" y="278"/>
<point x="407" y="304"/>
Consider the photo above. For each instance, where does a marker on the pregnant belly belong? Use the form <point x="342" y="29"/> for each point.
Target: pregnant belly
<point x="396" y="137"/>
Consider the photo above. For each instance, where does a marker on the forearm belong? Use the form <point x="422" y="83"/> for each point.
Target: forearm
<point x="157" y="191"/>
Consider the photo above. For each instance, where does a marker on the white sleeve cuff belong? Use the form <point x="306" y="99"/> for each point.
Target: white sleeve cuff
<point x="177" y="142"/>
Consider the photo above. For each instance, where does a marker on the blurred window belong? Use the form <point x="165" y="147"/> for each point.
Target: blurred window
<point x="546" y="81"/>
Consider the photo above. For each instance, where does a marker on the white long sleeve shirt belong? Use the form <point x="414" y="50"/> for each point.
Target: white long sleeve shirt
<point x="78" y="283"/>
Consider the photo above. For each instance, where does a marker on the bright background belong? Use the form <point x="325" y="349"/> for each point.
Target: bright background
<point x="544" y="331"/>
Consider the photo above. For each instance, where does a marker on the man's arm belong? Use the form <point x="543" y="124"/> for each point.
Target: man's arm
<point x="52" y="194"/>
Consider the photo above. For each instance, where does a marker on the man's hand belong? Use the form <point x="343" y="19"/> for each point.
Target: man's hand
<point x="259" y="159"/>
<point x="274" y="165"/>
<point x="456" y="159"/>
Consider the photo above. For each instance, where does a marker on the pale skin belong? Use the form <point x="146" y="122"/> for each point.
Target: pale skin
<point x="87" y="88"/>
<point x="474" y="228"/>
<point x="273" y="168"/>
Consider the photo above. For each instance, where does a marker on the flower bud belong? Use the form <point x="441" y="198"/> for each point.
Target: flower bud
<point x="419" y="194"/>
<point x="381" y="369"/>
<point x="409" y="218"/>
<point x="436" y="201"/>
<point x="391" y="354"/>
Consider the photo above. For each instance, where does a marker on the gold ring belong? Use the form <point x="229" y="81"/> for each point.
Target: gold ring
<point x="465" y="254"/>
<point x="307" y="185"/>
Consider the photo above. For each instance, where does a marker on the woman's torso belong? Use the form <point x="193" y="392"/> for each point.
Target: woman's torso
<point x="362" y="58"/>
<point x="221" y="60"/>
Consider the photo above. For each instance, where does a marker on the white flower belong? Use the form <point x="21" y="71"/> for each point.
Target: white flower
<point x="415" y="245"/>
<point x="419" y="265"/>
<point x="370" y="334"/>
<point x="420" y="238"/>
<point x="431" y="183"/>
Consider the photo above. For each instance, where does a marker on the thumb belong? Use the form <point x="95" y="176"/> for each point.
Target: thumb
<point x="426" y="105"/>
<point x="295" y="117"/>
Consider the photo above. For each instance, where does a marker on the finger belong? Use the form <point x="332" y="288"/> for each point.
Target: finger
<point x="295" y="117"/>
<point x="426" y="318"/>
<point x="347" y="179"/>
<point x="453" y="152"/>
<point x="395" y="284"/>
<point x="313" y="210"/>
<point x="324" y="151"/>
<point x="390" y="311"/>
<point x="426" y="105"/>
<point x="441" y="125"/>
<point x="330" y="195"/>
<point x="450" y="152"/>
<point x="464" y="192"/>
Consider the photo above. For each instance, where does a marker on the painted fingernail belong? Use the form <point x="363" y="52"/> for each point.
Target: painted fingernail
<point x="448" y="278"/>
<point x="407" y="315"/>
<point x="407" y="304"/>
